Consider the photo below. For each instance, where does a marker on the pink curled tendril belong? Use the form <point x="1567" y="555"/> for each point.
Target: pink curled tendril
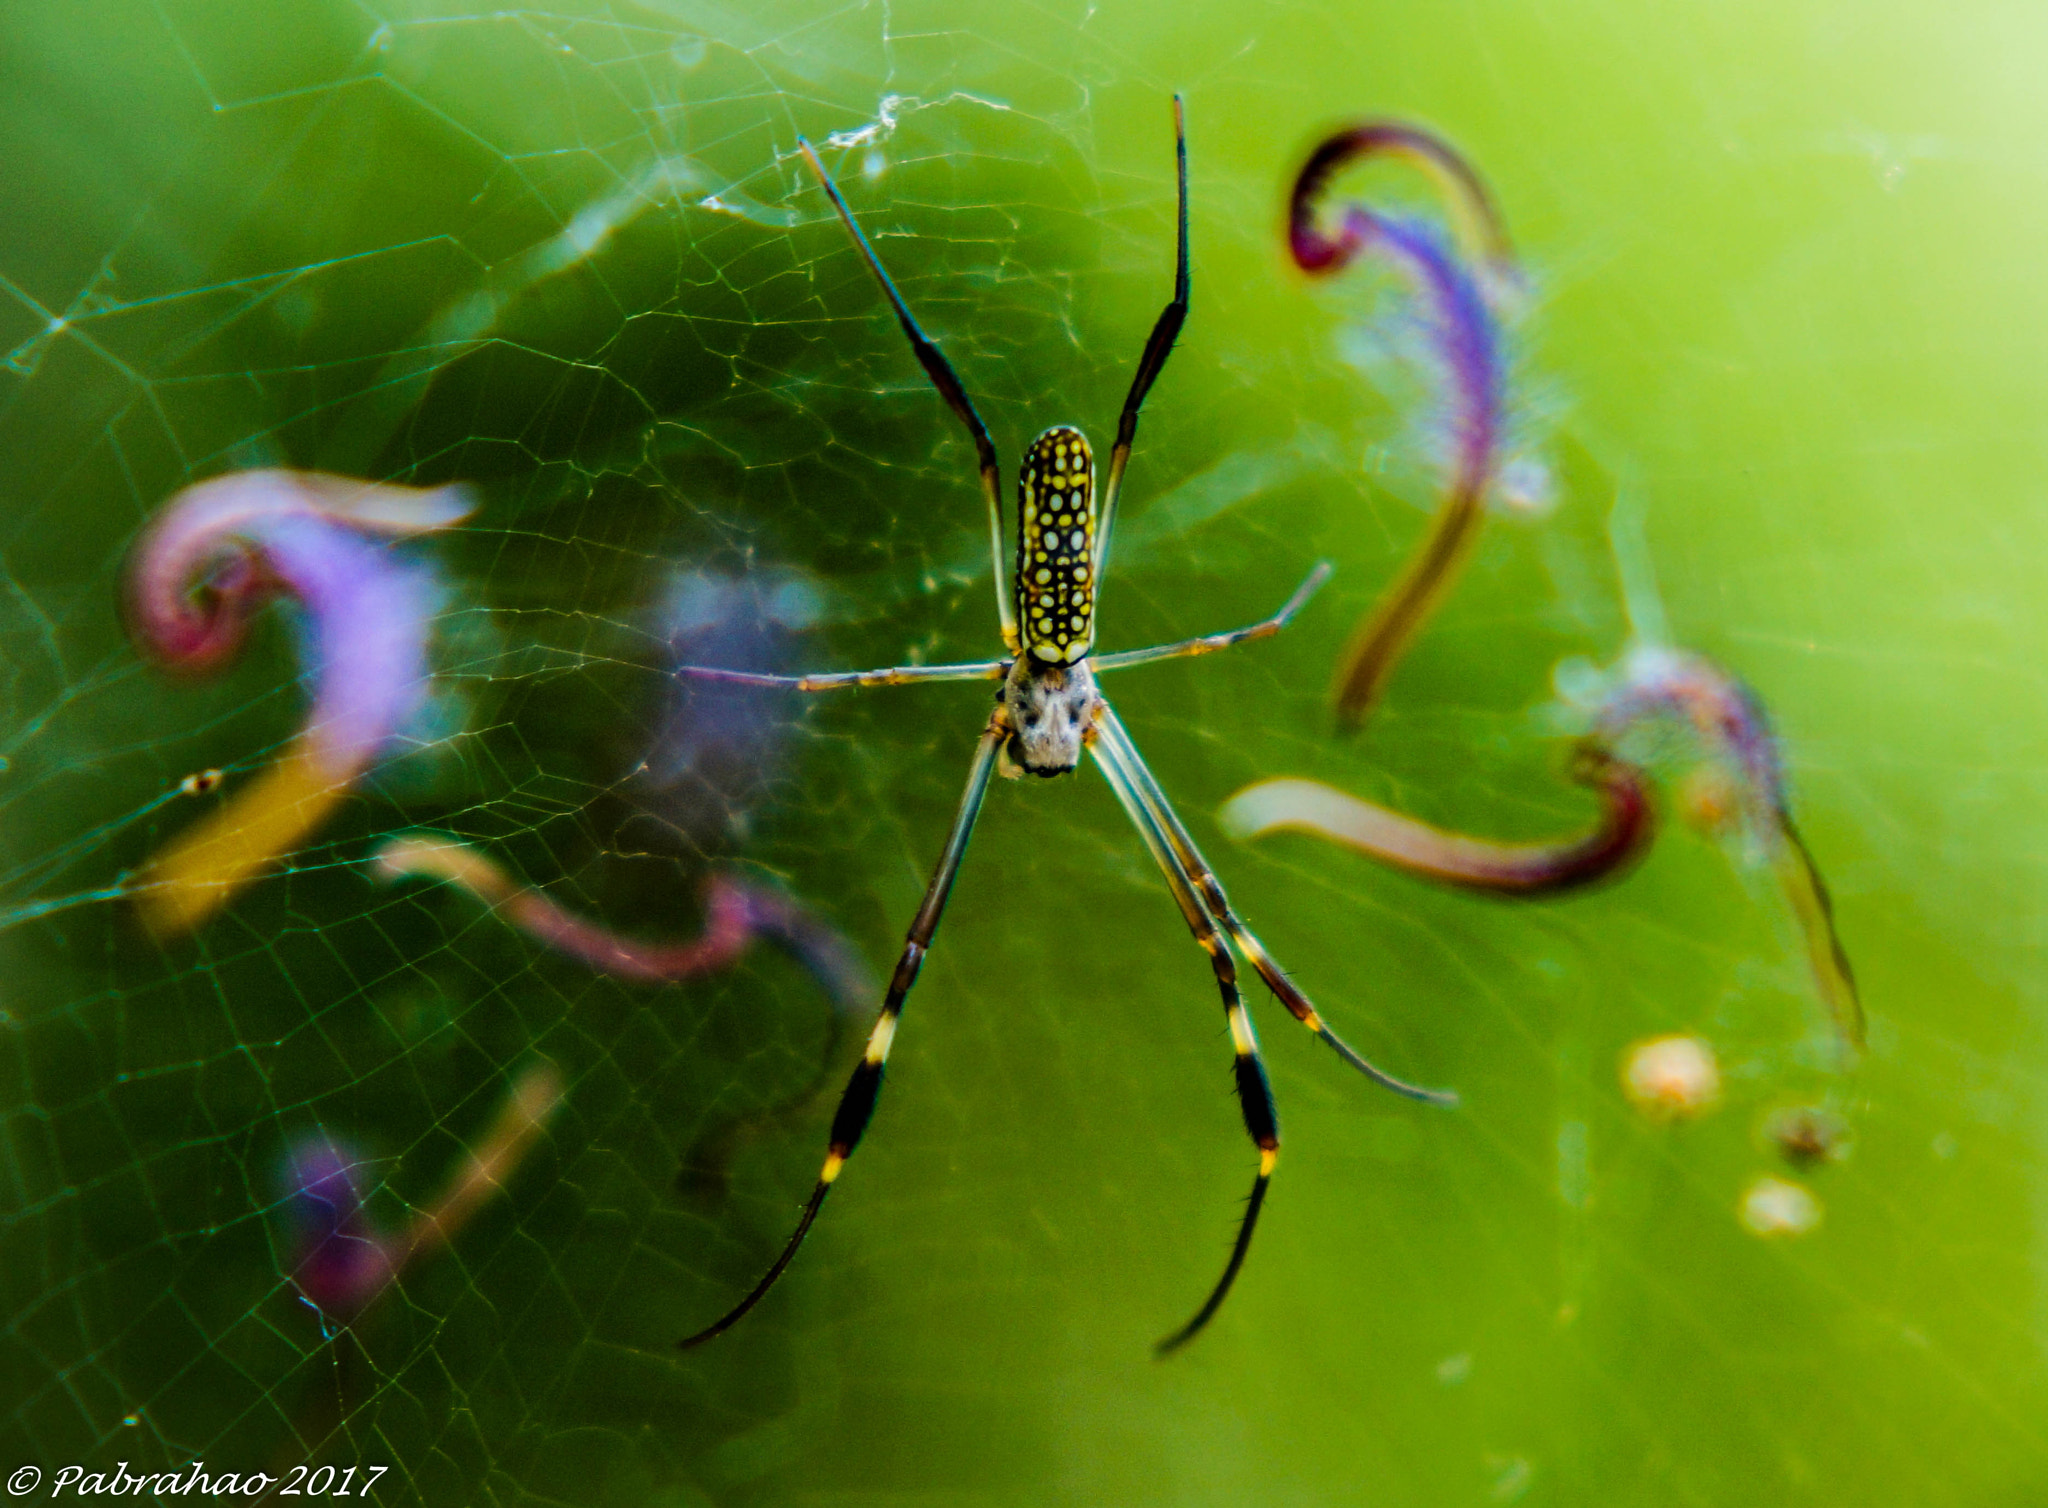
<point x="1619" y="837"/>
<point x="212" y="557"/>
<point x="1458" y="292"/>
<point x="736" y="913"/>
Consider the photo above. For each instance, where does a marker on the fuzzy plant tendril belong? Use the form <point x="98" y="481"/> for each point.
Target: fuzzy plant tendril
<point x="1459" y="291"/>
<point x="339" y="1259"/>
<point x="1659" y="708"/>
<point x="215" y="554"/>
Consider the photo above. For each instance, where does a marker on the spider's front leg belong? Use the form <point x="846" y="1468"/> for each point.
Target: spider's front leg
<point x="839" y="680"/>
<point x="1209" y="644"/>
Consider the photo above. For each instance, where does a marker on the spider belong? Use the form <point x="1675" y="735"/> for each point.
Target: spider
<point x="1047" y="713"/>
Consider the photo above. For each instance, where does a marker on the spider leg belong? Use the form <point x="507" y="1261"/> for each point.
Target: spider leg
<point x="1116" y="745"/>
<point x="857" y="1102"/>
<point x="1254" y="1090"/>
<point x="1158" y="346"/>
<point x="1209" y="644"/>
<point x="946" y="380"/>
<point x="900" y="675"/>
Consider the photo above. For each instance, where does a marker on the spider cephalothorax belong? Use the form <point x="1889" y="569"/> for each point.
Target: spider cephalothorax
<point x="1051" y="710"/>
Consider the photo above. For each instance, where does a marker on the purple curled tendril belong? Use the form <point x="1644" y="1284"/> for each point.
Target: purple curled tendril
<point x="216" y="553"/>
<point x="1463" y="330"/>
<point x="340" y="1260"/>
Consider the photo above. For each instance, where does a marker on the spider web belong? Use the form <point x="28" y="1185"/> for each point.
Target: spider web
<point x="1790" y="304"/>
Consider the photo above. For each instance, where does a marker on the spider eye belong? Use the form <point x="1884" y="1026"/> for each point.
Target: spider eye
<point x="1032" y="719"/>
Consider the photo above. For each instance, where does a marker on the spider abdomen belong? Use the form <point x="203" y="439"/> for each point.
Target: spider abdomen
<point x="1055" y="577"/>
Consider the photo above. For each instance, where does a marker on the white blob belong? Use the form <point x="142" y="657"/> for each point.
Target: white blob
<point x="1779" y="1207"/>
<point x="1671" y="1078"/>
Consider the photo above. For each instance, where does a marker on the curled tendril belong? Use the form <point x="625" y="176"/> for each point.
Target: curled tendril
<point x="1658" y="707"/>
<point x="214" y="555"/>
<point x="1460" y="291"/>
<point x="1619" y="837"/>
<point x="736" y="914"/>
<point x="341" y="1262"/>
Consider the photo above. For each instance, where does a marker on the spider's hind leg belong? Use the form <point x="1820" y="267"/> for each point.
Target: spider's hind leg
<point x="1115" y="747"/>
<point x="857" y="1101"/>
<point x="1254" y="1089"/>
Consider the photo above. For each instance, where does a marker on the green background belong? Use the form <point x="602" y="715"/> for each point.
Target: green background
<point x="1787" y="260"/>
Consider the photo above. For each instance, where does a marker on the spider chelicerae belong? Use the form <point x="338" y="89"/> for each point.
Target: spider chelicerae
<point x="1048" y="712"/>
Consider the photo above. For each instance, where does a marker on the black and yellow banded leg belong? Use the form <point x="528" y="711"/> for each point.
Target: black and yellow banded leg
<point x="1158" y="346"/>
<point x="1254" y="1089"/>
<point x="864" y="1088"/>
<point x="1261" y="1124"/>
<point x="940" y="373"/>
<point x="1114" y="746"/>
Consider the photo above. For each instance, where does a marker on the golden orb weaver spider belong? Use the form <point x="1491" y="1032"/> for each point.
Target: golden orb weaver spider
<point x="1048" y="711"/>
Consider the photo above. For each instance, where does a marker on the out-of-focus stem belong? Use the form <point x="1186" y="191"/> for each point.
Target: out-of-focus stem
<point x="1743" y="794"/>
<point x="487" y="1165"/>
<point x="727" y="930"/>
<point x="1383" y="638"/>
<point x="1807" y="893"/>
<point x="346" y="1264"/>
